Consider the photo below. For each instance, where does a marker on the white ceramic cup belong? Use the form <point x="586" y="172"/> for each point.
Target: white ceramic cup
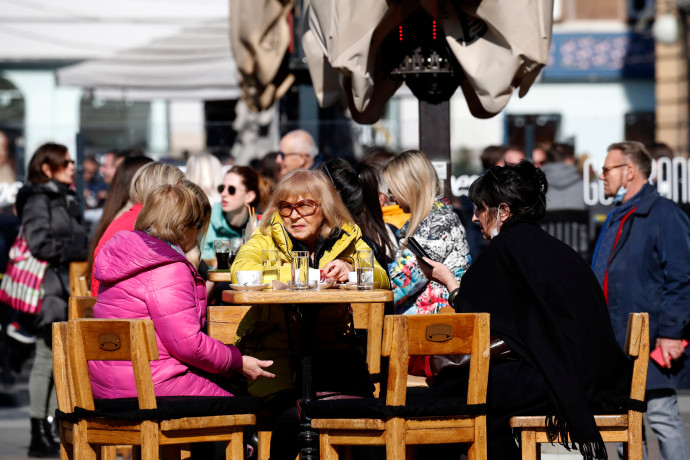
<point x="249" y="277"/>
<point x="352" y="277"/>
<point x="314" y="275"/>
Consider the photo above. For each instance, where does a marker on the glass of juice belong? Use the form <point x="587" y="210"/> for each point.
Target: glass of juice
<point x="270" y="262"/>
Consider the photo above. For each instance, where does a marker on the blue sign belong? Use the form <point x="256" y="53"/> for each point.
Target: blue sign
<point x="600" y="56"/>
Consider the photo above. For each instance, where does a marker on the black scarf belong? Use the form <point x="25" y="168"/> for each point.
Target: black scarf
<point x="547" y="305"/>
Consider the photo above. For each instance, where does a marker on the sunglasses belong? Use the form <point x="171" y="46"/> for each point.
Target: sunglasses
<point x="199" y="225"/>
<point x="303" y="207"/>
<point x="67" y="163"/>
<point x="231" y="189"/>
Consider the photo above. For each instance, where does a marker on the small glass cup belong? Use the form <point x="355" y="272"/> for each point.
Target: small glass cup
<point x="270" y="266"/>
<point x="222" y="246"/>
<point x="235" y="245"/>
<point x="365" y="270"/>
<point x="300" y="269"/>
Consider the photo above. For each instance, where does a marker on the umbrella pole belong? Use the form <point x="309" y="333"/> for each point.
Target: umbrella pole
<point x="434" y="139"/>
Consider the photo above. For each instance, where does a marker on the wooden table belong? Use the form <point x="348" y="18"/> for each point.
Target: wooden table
<point x="219" y="276"/>
<point x="301" y="300"/>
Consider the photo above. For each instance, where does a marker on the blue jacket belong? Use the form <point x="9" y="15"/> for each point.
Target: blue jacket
<point x="649" y="271"/>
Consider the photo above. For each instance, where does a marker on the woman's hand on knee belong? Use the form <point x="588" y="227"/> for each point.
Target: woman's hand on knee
<point x="252" y="368"/>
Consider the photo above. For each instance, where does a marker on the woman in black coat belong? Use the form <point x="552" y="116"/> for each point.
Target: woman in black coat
<point x="54" y="228"/>
<point x="548" y="308"/>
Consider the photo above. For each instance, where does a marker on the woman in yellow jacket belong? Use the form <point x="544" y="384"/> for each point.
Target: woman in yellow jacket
<point x="305" y="214"/>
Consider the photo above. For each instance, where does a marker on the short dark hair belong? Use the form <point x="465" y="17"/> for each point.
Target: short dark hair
<point x="637" y="154"/>
<point x="558" y="153"/>
<point x="522" y="187"/>
<point x="51" y="154"/>
<point x="492" y="155"/>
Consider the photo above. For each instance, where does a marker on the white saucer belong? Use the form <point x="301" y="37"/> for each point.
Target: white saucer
<point x="249" y="287"/>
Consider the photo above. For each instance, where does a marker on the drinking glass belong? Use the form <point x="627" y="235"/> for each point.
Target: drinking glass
<point x="300" y="269"/>
<point x="235" y="244"/>
<point x="222" y="246"/>
<point x="270" y="263"/>
<point x="365" y="270"/>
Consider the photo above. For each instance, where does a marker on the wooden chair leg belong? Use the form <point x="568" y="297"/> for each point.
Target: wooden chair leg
<point x="82" y="449"/>
<point x="235" y="448"/>
<point x="328" y="451"/>
<point x="395" y="439"/>
<point x="529" y="444"/>
<point x="264" y="445"/>
<point x="477" y="450"/>
<point x="149" y="440"/>
<point x="108" y="453"/>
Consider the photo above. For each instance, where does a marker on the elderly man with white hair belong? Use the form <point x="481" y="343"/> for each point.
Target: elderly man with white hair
<point x="297" y="151"/>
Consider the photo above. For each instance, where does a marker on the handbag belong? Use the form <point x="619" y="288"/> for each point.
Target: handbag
<point x="498" y="350"/>
<point x="22" y="285"/>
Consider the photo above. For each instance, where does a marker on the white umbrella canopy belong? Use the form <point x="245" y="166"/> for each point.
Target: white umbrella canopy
<point x="499" y="46"/>
<point x="194" y="63"/>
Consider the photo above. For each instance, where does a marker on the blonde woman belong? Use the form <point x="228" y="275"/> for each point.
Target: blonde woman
<point x="206" y="171"/>
<point x="414" y="185"/>
<point x="145" y="179"/>
<point x="305" y="213"/>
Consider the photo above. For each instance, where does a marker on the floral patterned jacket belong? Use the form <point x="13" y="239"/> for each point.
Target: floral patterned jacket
<point x="442" y="236"/>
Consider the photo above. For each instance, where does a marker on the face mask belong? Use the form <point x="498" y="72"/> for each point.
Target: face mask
<point x="494" y="232"/>
<point x="622" y="190"/>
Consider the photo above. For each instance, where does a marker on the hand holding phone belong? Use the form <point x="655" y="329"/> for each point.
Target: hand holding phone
<point x="658" y="357"/>
<point x="417" y="249"/>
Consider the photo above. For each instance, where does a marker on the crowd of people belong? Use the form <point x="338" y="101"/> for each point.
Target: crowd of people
<point x="562" y="321"/>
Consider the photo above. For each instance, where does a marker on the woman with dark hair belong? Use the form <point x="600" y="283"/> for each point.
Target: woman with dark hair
<point x="117" y="201"/>
<point x="547" y="307"/>
<point x="359" y="191"/>
<point x="55" y="232"/>
<point x="239" y="190"/>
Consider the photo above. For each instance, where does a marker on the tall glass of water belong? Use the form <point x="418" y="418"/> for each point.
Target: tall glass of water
<point x="235" y="244"/>
<point x="365" y="270"/>
<point x="300" y="269"/>
<point x="222" y="246"/>
<point x="270" y="262"/>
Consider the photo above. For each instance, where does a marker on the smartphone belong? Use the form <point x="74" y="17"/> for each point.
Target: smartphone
<point x="657" y="356"/>
<point x="417" y="249"/>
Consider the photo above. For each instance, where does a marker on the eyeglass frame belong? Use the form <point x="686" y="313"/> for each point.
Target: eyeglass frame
<point x="605" y="169"/>
<point x="293" y="207"/>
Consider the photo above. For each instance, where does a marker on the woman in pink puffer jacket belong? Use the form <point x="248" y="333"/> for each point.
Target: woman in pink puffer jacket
<point x="145" y="274"/>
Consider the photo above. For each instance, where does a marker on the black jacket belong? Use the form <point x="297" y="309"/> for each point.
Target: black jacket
<point x="55" y="232"/>
<point x="547" y="305"/>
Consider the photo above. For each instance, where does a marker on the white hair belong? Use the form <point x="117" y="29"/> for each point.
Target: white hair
<point x="205" y="171"/>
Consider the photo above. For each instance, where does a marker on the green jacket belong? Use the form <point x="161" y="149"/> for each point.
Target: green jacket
<point x="219" y="227"/>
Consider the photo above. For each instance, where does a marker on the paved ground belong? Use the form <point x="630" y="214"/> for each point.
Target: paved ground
<point x="15" y="432"/>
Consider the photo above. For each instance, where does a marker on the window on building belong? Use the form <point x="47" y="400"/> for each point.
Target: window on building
<point x="109" y="125"/>
<point x="639" y="126"/>
<point x="529" y="131"/>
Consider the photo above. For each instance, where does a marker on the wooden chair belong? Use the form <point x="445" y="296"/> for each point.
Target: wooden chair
<point x="80" y="307"/>
<point x="146" y="421"/>
<point x="78" y="284"/>
<point x="625" y="428"/>
<point x="398" y="421"/>
<point x="223" y="321"/>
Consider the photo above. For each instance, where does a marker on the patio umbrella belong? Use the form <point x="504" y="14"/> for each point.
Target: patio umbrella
<point x="497" y="47"/>
<point x="261" y="38"/>
<point x="196" y="63"/>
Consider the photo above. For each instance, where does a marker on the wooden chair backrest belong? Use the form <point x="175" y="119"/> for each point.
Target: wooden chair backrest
<point x="420" y="335"/>
<point x="223" y="321"/>
<point x="637" y="347"/>
<point x="91" y="339"/>
<point x="80" y="307"/>
<point x="60" y="369"/>
<point x="76" y="270"/>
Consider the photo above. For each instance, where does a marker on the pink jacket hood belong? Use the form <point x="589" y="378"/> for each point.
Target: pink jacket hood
<point x="115" y="262"/>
